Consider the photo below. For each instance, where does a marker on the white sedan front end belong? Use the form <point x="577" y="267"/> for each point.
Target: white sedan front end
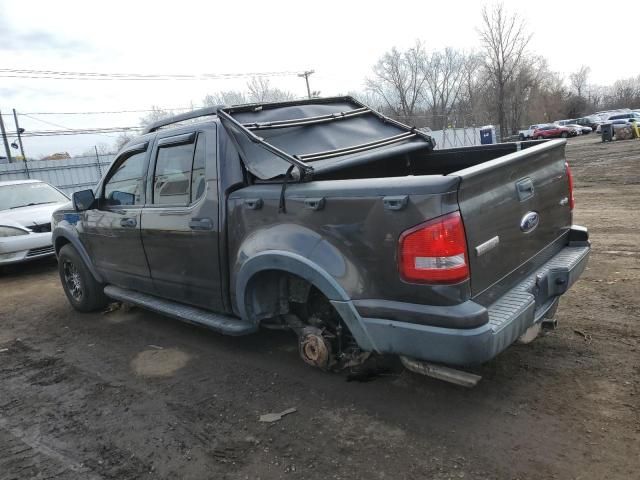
<point x="26" y="207"/>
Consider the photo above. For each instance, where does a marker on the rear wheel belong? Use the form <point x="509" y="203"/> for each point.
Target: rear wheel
<point x="82" y="290"/>
<point x="564" y="135"/>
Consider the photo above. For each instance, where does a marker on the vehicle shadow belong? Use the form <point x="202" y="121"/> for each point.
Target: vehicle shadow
<point x="32" y="267"/>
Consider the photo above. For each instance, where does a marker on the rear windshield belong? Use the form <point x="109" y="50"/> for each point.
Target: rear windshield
<point x="28" y="194"/>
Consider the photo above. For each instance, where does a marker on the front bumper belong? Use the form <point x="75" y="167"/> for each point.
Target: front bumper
<point x="508" y="317"/>
<point x="22" y="248"/>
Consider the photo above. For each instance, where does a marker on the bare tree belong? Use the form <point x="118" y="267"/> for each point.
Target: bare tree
<point x="444" y="74"/>
<point x="505" y="38"/>
<point x="579" y="80"/>
<point x="624" y="93"/>
<point x="399" y="79"/>
<point x="260" y="91"/>
<point x="471" y="81"/>
<point x="228" y="97"/>
<point x="122" y="140"/>
<point x="154" y="115"/>
<point x="369" y="98"/>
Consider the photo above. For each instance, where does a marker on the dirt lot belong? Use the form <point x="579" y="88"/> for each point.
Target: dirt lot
<point x="136" y="395"/>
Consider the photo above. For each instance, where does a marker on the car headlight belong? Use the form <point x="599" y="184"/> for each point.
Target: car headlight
<point x="11" y="231"/>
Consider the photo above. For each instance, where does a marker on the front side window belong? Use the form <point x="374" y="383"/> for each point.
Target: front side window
<point x="125" y="186"/>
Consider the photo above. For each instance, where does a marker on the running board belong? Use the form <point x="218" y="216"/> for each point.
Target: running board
<point x="464" y="379"/>
<point x="224" y="324"/>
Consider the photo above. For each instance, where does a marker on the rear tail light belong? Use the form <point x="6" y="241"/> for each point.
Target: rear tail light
<point x="572" y="201"/>
<point x="435" y="251"/>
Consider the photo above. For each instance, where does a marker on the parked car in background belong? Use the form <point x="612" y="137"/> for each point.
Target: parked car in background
<point x="617" y="123"/>
<point x="526" y="134"/>
<point x="554" y="131"/>
<point x="26" y="207"/>
<point x="625" y="116"/>
<point x="564" y="123"/>
<point x="581" y="129"/>
<point x="591" y="121"/>
<point x="574" y="127"/>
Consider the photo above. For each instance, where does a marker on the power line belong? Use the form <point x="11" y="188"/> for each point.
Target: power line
<point x="63" y="75"/>
<point x="105" y="112"/>
<point x="80" y="131"/>
<point x="57" y="124"/>
<point x="28" y="115"/>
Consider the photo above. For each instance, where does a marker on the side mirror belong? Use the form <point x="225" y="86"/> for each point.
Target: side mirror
<point x="83" y="200"/>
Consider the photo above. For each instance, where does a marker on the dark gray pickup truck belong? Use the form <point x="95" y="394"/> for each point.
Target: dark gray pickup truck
<point x="325" y="217"/>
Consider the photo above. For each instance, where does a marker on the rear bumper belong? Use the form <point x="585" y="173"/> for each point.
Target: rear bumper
<point x="508" y="317"/>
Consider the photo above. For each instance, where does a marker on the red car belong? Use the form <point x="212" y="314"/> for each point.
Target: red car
<point x="553" y="131"/>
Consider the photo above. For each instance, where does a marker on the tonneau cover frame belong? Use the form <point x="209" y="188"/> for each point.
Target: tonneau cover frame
<point x="299" y="160"/>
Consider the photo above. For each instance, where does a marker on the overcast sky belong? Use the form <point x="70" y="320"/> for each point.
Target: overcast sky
<point x="340" y="40"/>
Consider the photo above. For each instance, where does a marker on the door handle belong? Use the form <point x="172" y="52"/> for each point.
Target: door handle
<point x="314" y="203"/>
<point x="201" y="224"/>
<point x="128" y="222"/>
<point x="253" y="203"/>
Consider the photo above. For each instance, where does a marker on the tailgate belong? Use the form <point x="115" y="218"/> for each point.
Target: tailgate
<point x="513" y="207"/>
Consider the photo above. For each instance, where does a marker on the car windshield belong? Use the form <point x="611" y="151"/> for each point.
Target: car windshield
<point x="27" y="194"/>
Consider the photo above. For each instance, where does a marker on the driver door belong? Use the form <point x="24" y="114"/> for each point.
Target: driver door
<point x="112" y="230"/>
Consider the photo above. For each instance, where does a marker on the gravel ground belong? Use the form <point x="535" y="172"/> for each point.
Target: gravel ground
<point x="131" y="394"/>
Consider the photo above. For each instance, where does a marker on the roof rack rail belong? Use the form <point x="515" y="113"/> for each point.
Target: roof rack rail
<point x="201" y="112"/>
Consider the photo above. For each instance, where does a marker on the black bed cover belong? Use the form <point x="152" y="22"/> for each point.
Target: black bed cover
<point x="316" y="135"/>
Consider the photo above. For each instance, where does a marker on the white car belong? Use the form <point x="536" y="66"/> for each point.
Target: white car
<point x="25" y="219"/>
<point x="526" y="134"/>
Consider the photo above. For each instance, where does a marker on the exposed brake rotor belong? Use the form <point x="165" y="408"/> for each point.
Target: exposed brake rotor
<point x="314" y="348"/>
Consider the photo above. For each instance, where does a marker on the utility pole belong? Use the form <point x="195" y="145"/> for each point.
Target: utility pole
<point x="4" y="138"/>
<point x="306" y="75"/>
<point x="19" y="131"/>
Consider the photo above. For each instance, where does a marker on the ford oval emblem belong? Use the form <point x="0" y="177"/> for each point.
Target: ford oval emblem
<point x="529" y="222"/>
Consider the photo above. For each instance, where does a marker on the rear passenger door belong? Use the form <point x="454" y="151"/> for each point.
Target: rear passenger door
<point x="180" y="222"/>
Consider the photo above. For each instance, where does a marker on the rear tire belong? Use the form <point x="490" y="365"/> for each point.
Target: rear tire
<point x="564" y="135"/>
<point x="84" y="293"/>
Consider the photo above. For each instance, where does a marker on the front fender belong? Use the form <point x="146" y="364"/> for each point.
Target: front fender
<point x="65" y="232"/>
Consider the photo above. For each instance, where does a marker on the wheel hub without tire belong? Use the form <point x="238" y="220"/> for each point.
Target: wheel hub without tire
<point x="315" y="350"/>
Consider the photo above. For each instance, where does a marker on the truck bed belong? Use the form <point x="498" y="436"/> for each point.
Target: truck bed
<point x="350" y="221"/>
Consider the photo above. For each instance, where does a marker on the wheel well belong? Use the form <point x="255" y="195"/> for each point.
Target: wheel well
<point x="60" y="242"/>
<point x="272" y="293"/>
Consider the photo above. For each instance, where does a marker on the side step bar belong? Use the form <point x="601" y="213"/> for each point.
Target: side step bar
<point x="224" y="324"/>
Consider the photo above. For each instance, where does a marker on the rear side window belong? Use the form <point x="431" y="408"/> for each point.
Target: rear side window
<point x="172" y="178"/>
<point x="179" y="177"/>
<point x="125" y="186"/>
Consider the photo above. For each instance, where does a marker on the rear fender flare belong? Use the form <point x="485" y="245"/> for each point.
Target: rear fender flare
<point x="63" y="234"/>
<point x="304" y="268"/>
